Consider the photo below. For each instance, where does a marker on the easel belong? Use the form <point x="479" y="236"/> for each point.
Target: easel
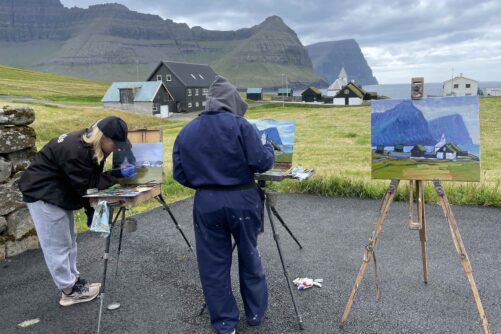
<point x="420" y="225"/>
<point x="269" y="202"/>
<point x="122" y="204"/>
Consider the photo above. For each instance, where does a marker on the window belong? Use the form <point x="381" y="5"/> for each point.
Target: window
<point x="456" y="85"/>
<point x="193" y="76"/>
<point x="347" y="91"/>
<point x="468" y="85"/>
<point x="159" y="77"/>
<point x="196" y="92"/>
<point x="205" y="91"/>
<point x="204" y="103"/>
<point x="201" y="77"/>
<point x="190" y="105"/>
<point x="188" y="91"/>
<point x="197" y="104"/>
<point x="155" y="107"/>
<point x="168" y="77"/>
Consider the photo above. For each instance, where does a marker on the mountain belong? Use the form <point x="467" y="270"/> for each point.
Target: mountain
<point x="453" y="127"/>
<point x="273" y="135"/>
<point x="329" y="57"/>
<point x="403" y="124"/>
<point x="109" y="42"/>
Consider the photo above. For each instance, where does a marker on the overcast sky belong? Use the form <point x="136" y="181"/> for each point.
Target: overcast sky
<point x="400" y="39"/>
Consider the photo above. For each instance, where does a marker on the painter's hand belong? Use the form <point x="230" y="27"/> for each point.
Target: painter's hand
<point x="90" y="215"/>
<point x="127" y="170"/>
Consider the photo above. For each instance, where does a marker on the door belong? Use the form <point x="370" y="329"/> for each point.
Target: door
<point x="164" y="111"/>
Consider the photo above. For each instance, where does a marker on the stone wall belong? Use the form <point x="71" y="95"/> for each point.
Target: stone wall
<point x="17" y="149"/>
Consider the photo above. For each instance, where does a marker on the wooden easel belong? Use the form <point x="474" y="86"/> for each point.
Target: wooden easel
<point x="421" y="226"/>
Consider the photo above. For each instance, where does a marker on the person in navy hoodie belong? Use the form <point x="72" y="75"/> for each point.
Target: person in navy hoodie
<point x="218" y="154"/>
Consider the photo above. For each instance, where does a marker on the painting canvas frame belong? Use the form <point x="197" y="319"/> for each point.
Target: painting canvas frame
<point x="427" y="139"/>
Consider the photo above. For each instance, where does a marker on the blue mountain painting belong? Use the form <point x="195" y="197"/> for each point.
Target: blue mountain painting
<point x="403" y="124"/>
<point x="453" y="127"/>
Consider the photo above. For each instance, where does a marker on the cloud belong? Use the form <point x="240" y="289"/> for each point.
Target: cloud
<point x="400" y="39"/>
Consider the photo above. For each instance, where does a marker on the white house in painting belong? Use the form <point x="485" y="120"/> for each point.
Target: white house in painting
<point x="460" y="86"/>
<point x="336" y="86"/>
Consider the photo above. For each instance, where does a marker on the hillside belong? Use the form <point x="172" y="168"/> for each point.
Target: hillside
<point x="329" y="57"/>
<point x="109" y="42"/>
<point x="48" y="86"/>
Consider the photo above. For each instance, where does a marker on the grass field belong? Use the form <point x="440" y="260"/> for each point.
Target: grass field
<point x="334" y="141"/>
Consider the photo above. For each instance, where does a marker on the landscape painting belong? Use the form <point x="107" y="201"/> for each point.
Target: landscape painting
<point x="428" y="139"/>
<point x="281" y="135"/>
<point x="148" y="159"/>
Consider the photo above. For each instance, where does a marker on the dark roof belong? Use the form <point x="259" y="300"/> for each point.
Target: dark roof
<point x="191" y="75"/>
<point x="356" y="89"/>
<point x="419" y="147"/>
<point x="313" y="89"/>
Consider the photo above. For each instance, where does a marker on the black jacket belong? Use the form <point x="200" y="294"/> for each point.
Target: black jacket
<point x="62" y="172"/>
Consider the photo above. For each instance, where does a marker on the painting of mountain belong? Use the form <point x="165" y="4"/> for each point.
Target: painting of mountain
<point x="280" y="134"/>
<point x="428" y="139"/>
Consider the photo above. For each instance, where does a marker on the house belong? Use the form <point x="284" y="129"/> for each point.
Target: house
<point x="188" y="83"/>
<point x="353" y="94"/>
<point x="311" y="94"/>
<point x="285" y="92"/>
<point x="338" y="84"/>
<point x="493" y="91"/>
<point x="460" y="86"/>
<point x="255" y="94"/>
<point x="418" y="151"/>
<point x="149" y="97"/>
<point x="450" y="152"/>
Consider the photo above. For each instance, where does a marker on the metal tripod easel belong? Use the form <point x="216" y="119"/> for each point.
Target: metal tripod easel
<point x="269" y="202"/>
<point x="122" y="204"/>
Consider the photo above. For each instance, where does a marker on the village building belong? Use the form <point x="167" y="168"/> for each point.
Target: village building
<point x="460" y="86"/>
<point x="311" y="94"/>
<point x="338" y="84"/>
<point x="285" y="92"/>
<point x="149" y="97"/>
<point x="353" y="94"/>
<point x="255" y="94"/>
<point x="188" y="83"/>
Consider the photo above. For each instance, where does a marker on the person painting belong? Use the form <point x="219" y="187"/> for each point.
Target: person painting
<point x="53" y="186"/>
<point x="218" y="154"/>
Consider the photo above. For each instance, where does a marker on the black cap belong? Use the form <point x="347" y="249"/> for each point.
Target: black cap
<point x="115" y="128"/>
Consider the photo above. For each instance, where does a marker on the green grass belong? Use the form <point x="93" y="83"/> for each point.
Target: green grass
<point x="51" y="87"/>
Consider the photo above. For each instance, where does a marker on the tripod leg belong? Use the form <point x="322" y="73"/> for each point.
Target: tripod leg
<point x="369" y="248"/>
<point x="458" y="242"/>
<point x="202" y="310"/>
<point x="275" y="212"/>
<point x="105" y="269"/>
<point x="166" y="208"/>
<point x="422" y="230"/>
<point x="276" y="237"/>
<point x="122" y="223"/>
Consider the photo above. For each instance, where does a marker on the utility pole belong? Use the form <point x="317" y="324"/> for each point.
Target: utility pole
<point x="283" y="94"/>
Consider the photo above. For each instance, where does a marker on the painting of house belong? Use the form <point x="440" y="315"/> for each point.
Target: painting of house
<point x="150" y="98"/>
<point x="280" y="134"/>
<point x="428" y="139"/>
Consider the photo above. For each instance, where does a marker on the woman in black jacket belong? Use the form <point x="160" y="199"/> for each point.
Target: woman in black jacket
<point x="53" y="186"/>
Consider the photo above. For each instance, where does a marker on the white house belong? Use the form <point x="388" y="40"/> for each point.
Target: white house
<point x="336" y="86"/>
<point x="493" y="91"/>
<point x="460" y="86"/>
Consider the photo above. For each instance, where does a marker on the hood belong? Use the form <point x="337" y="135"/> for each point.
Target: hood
<point x="223" y="96"/>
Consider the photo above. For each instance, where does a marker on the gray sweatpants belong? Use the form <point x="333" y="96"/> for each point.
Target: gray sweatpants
<point x="58" y="239"/>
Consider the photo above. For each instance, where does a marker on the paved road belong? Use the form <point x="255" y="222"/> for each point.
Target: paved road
<point x="159" y="289"/>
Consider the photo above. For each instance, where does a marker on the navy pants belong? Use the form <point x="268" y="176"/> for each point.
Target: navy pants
<point x="218" y="215"/>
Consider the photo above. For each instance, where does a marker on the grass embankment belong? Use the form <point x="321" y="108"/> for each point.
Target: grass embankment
<point x="52" y="87"/>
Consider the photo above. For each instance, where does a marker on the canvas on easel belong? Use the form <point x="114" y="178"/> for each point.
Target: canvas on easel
<point x="146" y="153"/>
<point x="280" y="134"/>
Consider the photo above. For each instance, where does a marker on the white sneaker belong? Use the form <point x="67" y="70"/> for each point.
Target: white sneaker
<point x="80" y="294"/>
